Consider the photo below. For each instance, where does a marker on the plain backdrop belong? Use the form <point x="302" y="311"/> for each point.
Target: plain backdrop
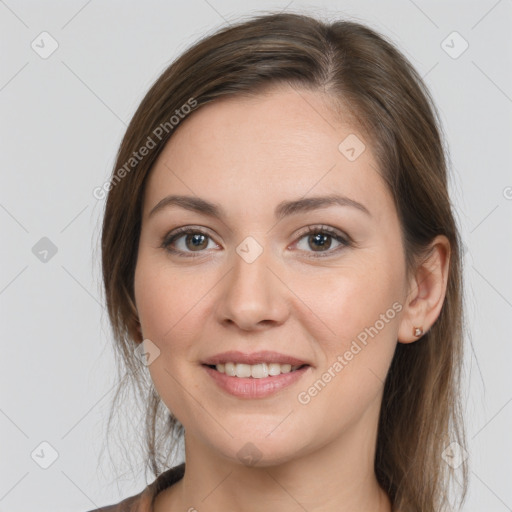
<point x="72" y="74"/>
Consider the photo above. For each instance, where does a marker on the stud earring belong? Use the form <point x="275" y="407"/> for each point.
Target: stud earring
<point x="417" y="331"/>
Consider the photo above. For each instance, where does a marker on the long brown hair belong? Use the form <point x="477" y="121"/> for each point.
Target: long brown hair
<point x="365" y="74"/>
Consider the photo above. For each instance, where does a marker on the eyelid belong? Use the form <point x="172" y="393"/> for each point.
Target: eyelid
<point x="322" y="228"/>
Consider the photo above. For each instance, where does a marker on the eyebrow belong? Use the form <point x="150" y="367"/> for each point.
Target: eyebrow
<point x="283" y="209"/>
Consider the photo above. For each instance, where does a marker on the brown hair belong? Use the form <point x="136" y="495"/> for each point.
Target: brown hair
<point x="367" y="77"/>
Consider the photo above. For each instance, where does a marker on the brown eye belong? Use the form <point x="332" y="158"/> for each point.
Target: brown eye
<point x="196" y="241"/>
<point x="319" y="239"/>
<point x="185" y="241"/>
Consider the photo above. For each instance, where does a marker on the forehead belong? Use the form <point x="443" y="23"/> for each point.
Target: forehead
<point x="284" y="143"/>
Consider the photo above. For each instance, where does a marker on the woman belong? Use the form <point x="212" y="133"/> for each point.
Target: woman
<point x="280" y="255"/>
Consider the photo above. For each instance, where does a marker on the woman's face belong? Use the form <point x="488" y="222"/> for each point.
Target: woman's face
<point x="250" y="278"/>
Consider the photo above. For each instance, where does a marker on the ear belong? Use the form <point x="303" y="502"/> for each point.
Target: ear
<point x="138" y="330"/>
<point x="426" y="291"/>
<point x="134" y="327"/>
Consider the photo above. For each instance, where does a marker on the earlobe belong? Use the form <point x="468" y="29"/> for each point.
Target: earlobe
<point x="427" y="291"/>
<point x="418" y="332"/>
<point x="138" y="328"/>
<point x="135" y="327"/>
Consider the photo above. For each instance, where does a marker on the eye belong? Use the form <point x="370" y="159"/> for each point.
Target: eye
<point x="320" y="239"/>
<point x="186" y="241"/>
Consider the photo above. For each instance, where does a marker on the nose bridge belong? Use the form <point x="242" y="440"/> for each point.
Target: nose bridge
<point x="250" y="265"/>
<point x="252" y="296"/>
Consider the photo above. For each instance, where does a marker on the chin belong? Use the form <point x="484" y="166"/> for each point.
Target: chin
<point x="254" y="449"/>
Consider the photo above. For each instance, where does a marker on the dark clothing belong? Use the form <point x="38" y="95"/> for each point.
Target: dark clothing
<point x="143" y="502"/>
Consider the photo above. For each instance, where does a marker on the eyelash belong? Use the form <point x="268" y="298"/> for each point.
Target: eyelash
<point x="344" y="240"/>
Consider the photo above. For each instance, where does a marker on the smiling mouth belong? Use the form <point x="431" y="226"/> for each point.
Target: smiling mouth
<point x="255" y="371"/>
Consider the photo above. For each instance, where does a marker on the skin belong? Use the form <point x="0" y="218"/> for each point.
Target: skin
<point x="247" y="155"/>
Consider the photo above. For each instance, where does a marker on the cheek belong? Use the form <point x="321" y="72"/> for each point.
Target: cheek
<point x="167" y="301"/>
<point x="351" y="299"/>
<point x="164" y="297"/>
<point x="361" y="306"/>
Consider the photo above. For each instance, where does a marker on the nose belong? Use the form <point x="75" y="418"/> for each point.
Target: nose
<point x="253" y="296"/>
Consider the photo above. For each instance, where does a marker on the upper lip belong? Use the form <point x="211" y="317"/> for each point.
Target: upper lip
<point x="263" y="356"/>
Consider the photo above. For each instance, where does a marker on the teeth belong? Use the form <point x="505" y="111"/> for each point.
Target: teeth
<point x="256" y="371"/>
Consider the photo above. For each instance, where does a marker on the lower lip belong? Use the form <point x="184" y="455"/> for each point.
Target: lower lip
<point x="255" y="388"/>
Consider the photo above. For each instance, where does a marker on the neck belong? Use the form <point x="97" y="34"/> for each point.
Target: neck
<point x="338" y="477"/>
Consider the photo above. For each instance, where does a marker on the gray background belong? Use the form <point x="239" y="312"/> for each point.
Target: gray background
<point x="62" y="118"/>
